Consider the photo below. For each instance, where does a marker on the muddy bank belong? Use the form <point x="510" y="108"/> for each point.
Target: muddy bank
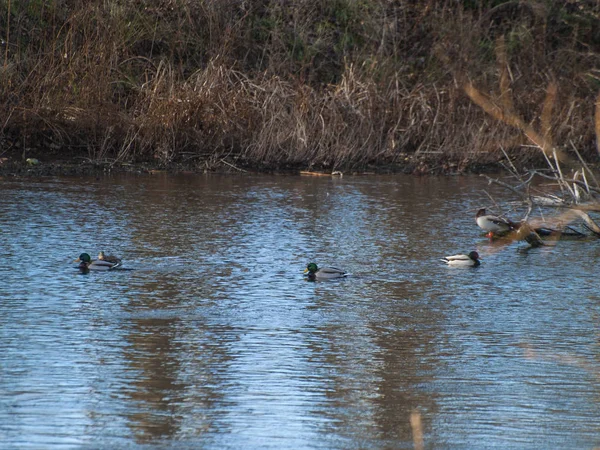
<point x="407" y="164"/>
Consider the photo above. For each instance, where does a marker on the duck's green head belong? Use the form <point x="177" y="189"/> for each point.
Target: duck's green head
<point x="474" y="256"/>
<point x="311" y="268"/>
<point x="84" y="257"/>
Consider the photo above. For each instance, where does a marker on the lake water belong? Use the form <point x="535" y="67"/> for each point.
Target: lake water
<point x="216" y="341"/>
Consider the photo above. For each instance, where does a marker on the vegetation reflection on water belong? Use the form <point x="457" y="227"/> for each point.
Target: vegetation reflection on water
<point x="216" y="340"/>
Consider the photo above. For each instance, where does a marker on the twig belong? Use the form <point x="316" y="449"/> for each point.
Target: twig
<point x="585" y="166"/>
<point x="589" y="223"/>
<point x="514" y="169"/>
<point x="569" y="180"/>
<point x="231" y="165"/>
<point x="505" y="185"/>
<point x="562" y="183"/>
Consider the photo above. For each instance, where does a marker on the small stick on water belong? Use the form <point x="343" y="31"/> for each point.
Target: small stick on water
<point x="417" y="430"/>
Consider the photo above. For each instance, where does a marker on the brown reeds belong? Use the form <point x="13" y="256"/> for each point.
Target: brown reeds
<point x="504" y="112"/>
<point x="576" y="189"/>
<point x="312" y="85"/>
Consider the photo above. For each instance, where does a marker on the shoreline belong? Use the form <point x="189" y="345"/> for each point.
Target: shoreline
<point x="419" y="165"/>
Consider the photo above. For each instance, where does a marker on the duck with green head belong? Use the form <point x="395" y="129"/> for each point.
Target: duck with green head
<point x="86" y="263"/>
<point x="325" y="273"/>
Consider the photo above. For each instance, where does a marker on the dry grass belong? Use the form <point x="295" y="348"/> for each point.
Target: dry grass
<point x="334" y="85"/>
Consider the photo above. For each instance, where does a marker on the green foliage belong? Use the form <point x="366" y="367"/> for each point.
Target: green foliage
<point x="262" y="28"/>
<point x="518" y="38"/>
<point x="34" y="9"/>
<point x="577" y="21"/>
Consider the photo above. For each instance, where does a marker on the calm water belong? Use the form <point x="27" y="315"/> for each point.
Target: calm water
<point x="216" y="341"/>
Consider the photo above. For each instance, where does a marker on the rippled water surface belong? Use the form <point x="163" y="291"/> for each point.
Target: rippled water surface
<point x="214" y="339"/>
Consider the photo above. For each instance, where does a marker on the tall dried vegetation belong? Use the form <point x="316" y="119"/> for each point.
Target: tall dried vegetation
<point x="331" y="84"/>
<point x="566" y="190"/>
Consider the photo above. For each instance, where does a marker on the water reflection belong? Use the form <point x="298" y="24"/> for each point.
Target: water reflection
<point x="215" y="340"/>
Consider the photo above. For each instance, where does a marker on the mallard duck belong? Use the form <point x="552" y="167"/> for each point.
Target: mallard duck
<point x="109" y="258"/>
<point x="86" y="263"/>
<point x="470" y="260"/>
<point x="324" y="273"/>
<point x="493" y="224"/>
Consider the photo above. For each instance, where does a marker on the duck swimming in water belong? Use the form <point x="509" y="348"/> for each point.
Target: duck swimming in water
<point x="325" y="273"/>
<point x="86" y="263"/>
<point x="109" y="258"/>
<point x="470" y="260"/>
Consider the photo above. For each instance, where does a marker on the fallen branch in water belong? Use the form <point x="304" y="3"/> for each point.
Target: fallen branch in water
<point x="574" y="191"/>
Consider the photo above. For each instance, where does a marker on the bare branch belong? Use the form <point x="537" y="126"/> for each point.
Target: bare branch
<point x="597" y="122"/>
<point x="508" y="117"/>
<point x="583" y="163"/>
<point x="546" y="117"/>
<point x="589" y="223"/>
<point x="505" y="89"/>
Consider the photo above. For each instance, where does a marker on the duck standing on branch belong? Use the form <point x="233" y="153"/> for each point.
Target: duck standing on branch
<point x="325" y="273"/>
<point x="470" y="260"/>
<point x="493" y="224"/>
